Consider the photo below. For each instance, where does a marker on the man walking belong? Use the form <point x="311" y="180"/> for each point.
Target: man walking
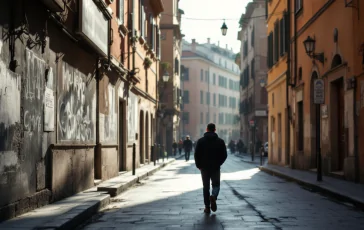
<point x="187" y="145"/>
<point x="210" y="154"/>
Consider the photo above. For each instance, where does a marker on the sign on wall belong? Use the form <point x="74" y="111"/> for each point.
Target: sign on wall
<point x="319" y="91"/>
<point x="48" y="110"/>
<point x="94" y="26"/>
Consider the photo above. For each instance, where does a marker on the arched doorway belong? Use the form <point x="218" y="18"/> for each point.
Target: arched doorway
<point x="147" y="136"/>
<point x="313" y="118"/>
<point x="141" y="137"/>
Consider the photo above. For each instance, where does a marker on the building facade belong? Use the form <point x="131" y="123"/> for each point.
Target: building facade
<point x="253" y="76"/>
<point x="210" y="90"/>
<point x="78" y="85"/>
<point x="333" y="126"/>
<point x="277" y="88"/>
<point x="305" y="49"/>
<point x="170" y="92"/>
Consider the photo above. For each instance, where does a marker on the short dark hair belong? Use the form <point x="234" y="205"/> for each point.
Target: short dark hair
<point x="211" y="127"/>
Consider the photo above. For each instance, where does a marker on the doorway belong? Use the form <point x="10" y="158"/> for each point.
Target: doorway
<point x="141" y="137"/>
<point x="313" y="116"/>
<point x="147" y="136"/>
<point x="122" y="131"/>
<point x="339" y="124"/>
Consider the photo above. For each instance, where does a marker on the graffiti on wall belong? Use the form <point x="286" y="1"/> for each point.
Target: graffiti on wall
<point x="108" y="127"/>
<point x="33" y="91"/>
<point x="132" y="116"/>
<point x="10" y="85"/>
<point x="76" y="106"/>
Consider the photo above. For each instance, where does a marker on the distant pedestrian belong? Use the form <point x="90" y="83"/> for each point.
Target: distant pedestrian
<point x="180" y="146"/>
<point x="210" y="154"/>
<point x="174" y="146"/>
<point x="240" y="146"/>
<point x="187" y="145"/>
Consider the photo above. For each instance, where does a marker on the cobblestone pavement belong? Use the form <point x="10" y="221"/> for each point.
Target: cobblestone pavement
<point x="249" y="199"/>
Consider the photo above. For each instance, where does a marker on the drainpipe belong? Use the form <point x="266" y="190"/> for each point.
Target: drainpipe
<point x="288" y="79"/>
<point x="295" y="49"/>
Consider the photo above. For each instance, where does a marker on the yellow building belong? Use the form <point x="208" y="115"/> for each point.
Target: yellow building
<point x="278" y="135"/>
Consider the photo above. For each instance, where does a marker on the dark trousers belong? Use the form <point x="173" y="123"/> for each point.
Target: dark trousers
<point x="214" y="176"/>
<point x="174" y="151"/>
<point x="180" y="151"/>
<point x="187" y="155"/>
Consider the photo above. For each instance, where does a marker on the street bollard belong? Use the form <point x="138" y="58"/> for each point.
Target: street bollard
<point x="158" y="152"/>
<point x="162" y="152"/>
<point x="134" y="155"/>
<point x="153" y="154"/>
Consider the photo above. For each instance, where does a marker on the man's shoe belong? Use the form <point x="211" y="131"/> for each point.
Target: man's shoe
<point x="207" y="210"/>
<point x="213" y="203"/>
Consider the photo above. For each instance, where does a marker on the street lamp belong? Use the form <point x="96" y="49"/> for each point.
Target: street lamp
<point x="165" y="76"/>
<point x="262" y="83"/>
<point x="310" y="46"/>
<point x="224" y="29"/>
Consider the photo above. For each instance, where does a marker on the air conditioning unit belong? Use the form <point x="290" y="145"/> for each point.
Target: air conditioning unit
<point x="54" y="5"/>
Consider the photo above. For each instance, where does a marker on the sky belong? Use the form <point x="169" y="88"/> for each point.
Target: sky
<point x="217" y="10"/>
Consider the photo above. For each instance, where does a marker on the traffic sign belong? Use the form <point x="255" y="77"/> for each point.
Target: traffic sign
<point x="319" y="91"/>
<point x="252" y="123"/>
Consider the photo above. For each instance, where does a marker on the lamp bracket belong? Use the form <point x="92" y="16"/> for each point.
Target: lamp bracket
<point x="319" y="57"/>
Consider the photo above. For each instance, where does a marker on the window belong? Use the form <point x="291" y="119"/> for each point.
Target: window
<point x="270" y="50"/>
<point x="206" y="76"/>
<point x="208" y="98"/>
<point x="214" y="79"/>
<point x="214" y="118"/>
<point x="245" y="49"/>
<point x="201" y="75"/>
<point x="252" y="37"/>
<point x="151" y="32"/>
<point x="298" y="5"/>
<point x="207" y="118"/>
<point x="186" y="97"/>
<point x="276" y="42"/>
<point x="120" y="11"/>
<point x="186" y="117"/>
<point x="158" y="41"/>
<point x="141" y="19"/>
<point x="186" y="74"/>
<point x="201" y="97"/>
<point x="300" y="125"/>
<point x="176" y="65"/>
<point x="214" y="100"/>
<point x="201" y="118"/>
<point x="282" y="37"/>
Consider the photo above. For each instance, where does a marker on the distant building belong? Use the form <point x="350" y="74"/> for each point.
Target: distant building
<point x="170" y="92"/>
<point x="253" y="58"/>
<point x="210" y="90"/>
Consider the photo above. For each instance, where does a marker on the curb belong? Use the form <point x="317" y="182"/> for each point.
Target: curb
<point x="116" y="190"/>
<point x="316" y="188"/>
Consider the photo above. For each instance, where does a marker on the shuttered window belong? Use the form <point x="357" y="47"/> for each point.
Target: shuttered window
<point x="276" y="42"/>
<point x="270" y="50"/>
<point x="282" y="37"/>
<point x="252" y="37"/>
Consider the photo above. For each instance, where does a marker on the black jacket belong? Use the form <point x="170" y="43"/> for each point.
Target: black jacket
<point x="187" y="145"/>
<point x="210" y="152"/>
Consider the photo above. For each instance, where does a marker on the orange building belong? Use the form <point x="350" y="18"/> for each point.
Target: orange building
<point x="278" y="123"/>
<point x="332" y="28"/>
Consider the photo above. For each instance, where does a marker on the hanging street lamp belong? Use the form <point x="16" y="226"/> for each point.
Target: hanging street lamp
<point x="224" y="29"/>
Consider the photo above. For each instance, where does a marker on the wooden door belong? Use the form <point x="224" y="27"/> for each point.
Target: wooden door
<point x="341" y="124"/>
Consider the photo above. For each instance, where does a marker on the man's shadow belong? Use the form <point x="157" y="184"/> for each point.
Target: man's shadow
<point x="209" y="221"/>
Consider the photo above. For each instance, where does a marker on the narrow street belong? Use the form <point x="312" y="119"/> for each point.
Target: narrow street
<point x="249" y="199"/>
